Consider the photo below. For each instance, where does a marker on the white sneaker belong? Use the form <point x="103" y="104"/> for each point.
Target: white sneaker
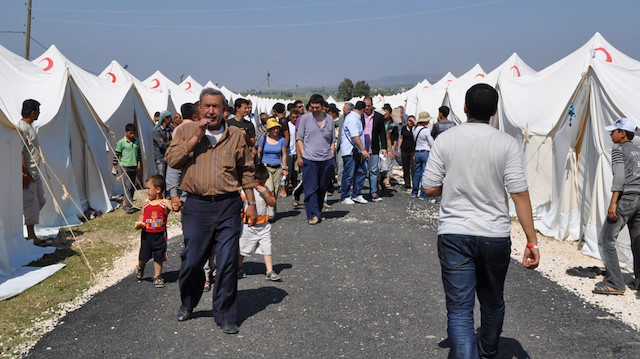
<point x="376" y="198"/>
<point x="348" y="201"/>
<point x="359" y="199"/>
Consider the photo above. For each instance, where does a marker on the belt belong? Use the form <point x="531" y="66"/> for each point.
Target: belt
<point x="213" y="198"/>
<point x="273" y="166"/>
<point x="422" y="150"/>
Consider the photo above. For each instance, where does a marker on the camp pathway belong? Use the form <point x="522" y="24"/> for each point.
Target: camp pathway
<point x="365" y="283"/>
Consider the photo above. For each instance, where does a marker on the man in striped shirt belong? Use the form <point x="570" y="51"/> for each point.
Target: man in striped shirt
<point x="216" y="163"/>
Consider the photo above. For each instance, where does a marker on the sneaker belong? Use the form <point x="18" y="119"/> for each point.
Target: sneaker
<point x="359" y="199"/>
<point x="139" y="272"/>
<point x="273" y="276"/>
<point x="422" y="198"/>
<point x="241" y="273"/>
<point x="376" y="198"/>
<point x="414" y="195"/>
<point x="158" y="282"/>
<point x="348" y="201"/>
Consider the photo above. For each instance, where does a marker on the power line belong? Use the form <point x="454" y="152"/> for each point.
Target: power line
<point x="349" y="21"/>
<point x="201" y="11"/>
<point x="23" y="33"/>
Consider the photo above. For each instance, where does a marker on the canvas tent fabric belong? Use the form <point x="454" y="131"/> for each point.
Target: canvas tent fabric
<point x="575" y="98"/>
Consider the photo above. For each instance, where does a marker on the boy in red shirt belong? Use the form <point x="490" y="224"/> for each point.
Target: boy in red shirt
<point x="153" y="223"/>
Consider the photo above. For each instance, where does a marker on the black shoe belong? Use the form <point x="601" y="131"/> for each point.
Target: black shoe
<point x="184" y="314"/>
<point x="229" y="328"/>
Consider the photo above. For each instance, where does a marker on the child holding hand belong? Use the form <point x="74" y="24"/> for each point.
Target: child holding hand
<point x="153" y="223"/>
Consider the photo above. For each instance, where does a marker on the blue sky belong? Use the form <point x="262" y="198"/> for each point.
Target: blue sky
<point x="315" y="43"/>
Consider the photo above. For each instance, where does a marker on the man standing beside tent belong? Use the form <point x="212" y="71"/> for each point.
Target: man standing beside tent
<point x="161" y="138"/>
<point x="470" y="166"/>
<point x="624" y="208"/>
<point x="33" y="192"/>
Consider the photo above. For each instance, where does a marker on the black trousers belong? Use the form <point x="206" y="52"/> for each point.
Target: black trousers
<point x="206" y="224"/>
<point x="407" y="167"/>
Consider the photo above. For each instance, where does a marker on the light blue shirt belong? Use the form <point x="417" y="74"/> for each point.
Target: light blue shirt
<point x="351" y="127"/>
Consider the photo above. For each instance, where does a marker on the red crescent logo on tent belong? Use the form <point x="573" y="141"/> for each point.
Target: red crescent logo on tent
<point x="609" y="59"/>
<point x="113" y="76"/>
<point x="449" y="80"/>
<point x="157" y="83"/>
<point x="426" y="86"/>
<point x="188" y="85"/>
<point x="517" y="69"/>
<point x="49" y="63"/>
<point x="479" y="75"/>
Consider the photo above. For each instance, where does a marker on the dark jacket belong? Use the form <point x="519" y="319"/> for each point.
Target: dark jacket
<point x="378" y="133"/>
<point x="161" y="138"/>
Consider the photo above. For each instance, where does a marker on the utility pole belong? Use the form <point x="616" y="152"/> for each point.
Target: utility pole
<point x="269" y="82"/>
<point x="28" y="44"/>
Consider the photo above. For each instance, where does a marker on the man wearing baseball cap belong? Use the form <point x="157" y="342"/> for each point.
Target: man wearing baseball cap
<point x="623" y="209"/>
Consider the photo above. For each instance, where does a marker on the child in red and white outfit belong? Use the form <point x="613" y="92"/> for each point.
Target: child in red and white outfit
<point x="258" y="236"/>
<point x="153" y="223"/>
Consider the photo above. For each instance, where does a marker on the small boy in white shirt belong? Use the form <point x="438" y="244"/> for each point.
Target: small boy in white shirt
<point x="258" y="236"/>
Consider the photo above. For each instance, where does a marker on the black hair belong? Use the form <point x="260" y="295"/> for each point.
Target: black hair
<point x="316" y="98"/>
<point x="359" y="106"/>
<point x="261" y="172"/>
<point x="444" y="110"/>
<point x="294" y="110"/>
<point x="481" y="101"/>
<point x="290" y="106"/>
<point x="296" y="102"/>
<point x="157" y="114"/>
<point x="157" y="181"/>
<point x="238" y="103"/>
<point x="29" y="106"/>
<point x="630" y="134"/>
<point x="187" y="110"/>
<point x="130" y="127"/>
<point x="279" y="107"/>
<point x="333" y="109"/>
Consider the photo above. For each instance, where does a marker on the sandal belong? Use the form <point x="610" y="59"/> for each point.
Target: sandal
<point x="207" y="286"/>
<point x="313" y="220"/>
<point x="606" y="290"/>
<point x="296" y="204"/>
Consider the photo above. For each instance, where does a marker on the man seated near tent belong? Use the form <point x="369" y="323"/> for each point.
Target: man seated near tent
<point x="33" y="192"/>
<point x="624" y="208"/>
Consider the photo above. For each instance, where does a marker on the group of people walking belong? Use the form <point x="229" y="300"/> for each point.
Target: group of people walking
<point x="224" y="170"/>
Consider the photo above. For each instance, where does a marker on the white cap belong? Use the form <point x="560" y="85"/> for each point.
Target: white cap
<point x="622" y="124"/>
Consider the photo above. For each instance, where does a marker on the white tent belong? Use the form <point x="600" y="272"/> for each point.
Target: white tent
<point x="565" y="146"/>
<point x="431" y="98"/>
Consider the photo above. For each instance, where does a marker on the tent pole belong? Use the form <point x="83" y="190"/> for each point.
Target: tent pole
<point x="584" y="182"/>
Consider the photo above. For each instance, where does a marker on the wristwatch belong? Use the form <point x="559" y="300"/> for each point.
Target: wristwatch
<point x="251" y="203"/>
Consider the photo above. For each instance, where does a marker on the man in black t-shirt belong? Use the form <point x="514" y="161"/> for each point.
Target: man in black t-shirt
<point x="242" y="109"/>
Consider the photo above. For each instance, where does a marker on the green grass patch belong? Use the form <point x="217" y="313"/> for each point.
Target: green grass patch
<point x="102" y="240"/>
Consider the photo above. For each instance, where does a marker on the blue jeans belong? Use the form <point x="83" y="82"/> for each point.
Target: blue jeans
<point x="474" y="265"/>
<point x="372" y="167"/>
<point x="316" y="176"/>
<point x="350" y="165"/>
<point x="420" y="162"/>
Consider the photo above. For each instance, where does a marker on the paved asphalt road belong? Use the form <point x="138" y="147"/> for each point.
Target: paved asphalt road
<point x="365" y="283"/>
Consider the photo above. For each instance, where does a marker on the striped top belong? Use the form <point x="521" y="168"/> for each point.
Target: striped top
<point x="225" y="167"/>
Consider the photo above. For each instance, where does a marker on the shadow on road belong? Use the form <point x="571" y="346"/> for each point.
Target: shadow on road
<point x="507" y="348"/>
<point x="252" y="301"/>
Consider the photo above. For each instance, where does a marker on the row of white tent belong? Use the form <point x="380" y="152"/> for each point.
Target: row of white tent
<point x="558" y="114"/>
<point x="82" y="118"/>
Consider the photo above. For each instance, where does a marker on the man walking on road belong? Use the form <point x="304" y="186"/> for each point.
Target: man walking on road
<point x="375" y="142"/>
<point x="472" y="164"/>
<point x="211" y="214"/>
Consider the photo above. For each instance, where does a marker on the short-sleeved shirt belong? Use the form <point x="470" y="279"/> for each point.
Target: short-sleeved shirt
<point x="317" y="141"/>
<point x="128" y="151"/>
<point x="474" y="163"/>
<point x="351" y="127"/>
<point x="272" y="154"/>
<point x="155" y="215"/>
<point x="31" y="148"/>
<point x="244" y="124"/>
<point x="408" y="143"/>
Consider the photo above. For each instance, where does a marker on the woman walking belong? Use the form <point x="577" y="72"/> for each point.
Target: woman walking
<point x="424" y="141"/>
<point x="272" y="151"/>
